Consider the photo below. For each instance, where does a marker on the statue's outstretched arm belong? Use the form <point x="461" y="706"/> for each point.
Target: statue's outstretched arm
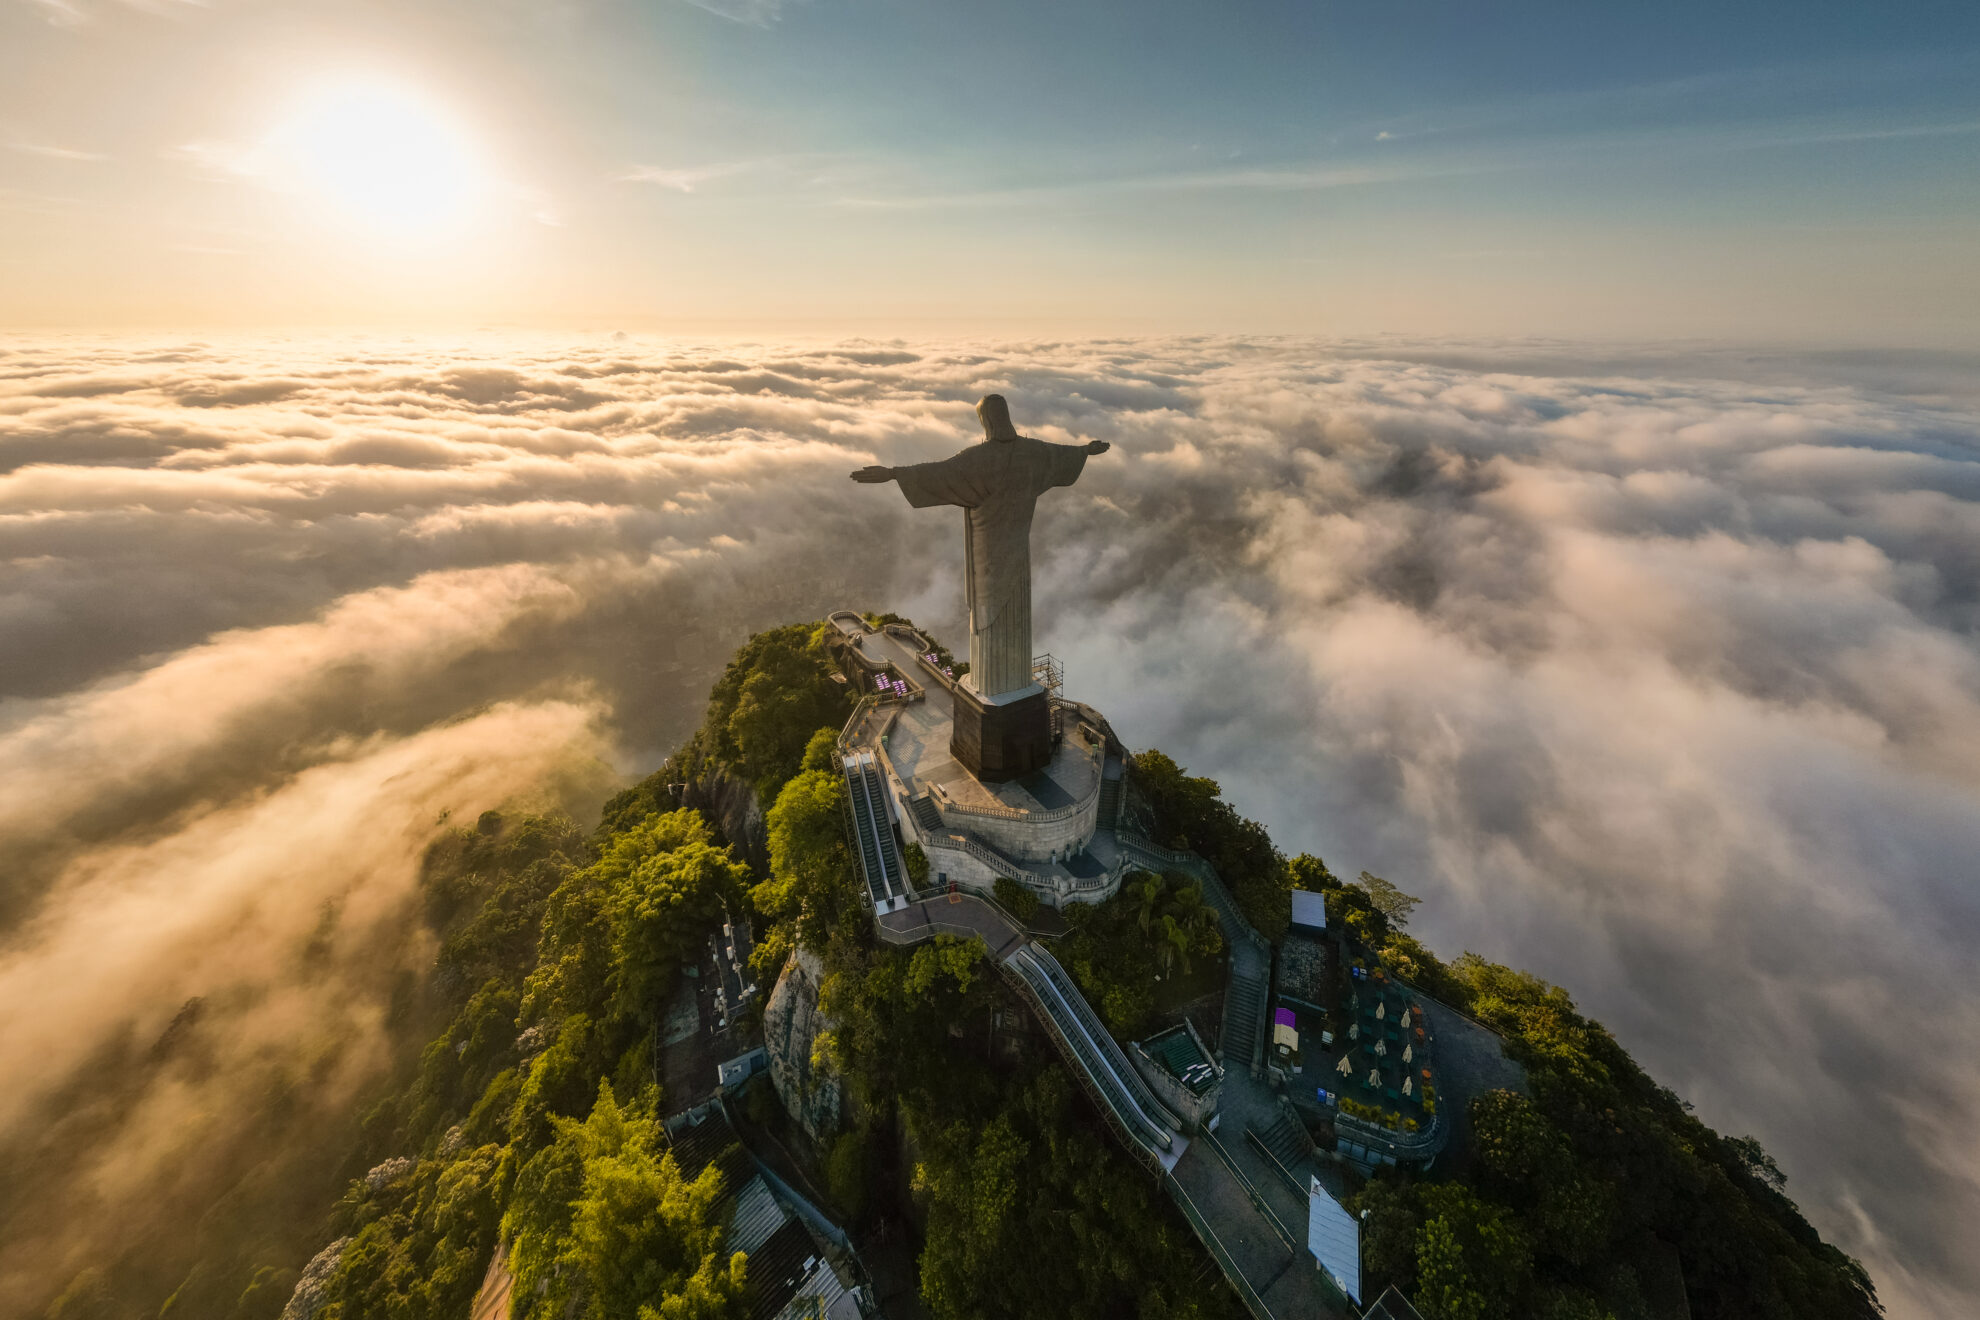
<point x="1097" y="446"/>
<point x="874" y="475"/>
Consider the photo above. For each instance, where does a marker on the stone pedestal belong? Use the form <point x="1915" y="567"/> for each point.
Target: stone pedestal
<point x="999" y="742"/>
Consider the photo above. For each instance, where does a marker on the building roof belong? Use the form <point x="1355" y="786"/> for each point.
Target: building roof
<point x="1175" y="1049"/>
<point x="787" y="1271"/>
<point x="1334" y="1238"/>
<point x="779" y="1268"/>
<point x="742" y="1067"/>
<point x="756" y="1217"/>
<point x="1309" y="910"/>
<point x="712" y="1142"/>
<point x="822" y="1294"/>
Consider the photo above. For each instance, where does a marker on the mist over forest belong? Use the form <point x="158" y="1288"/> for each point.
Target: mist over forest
<point x="1652" y="671"/>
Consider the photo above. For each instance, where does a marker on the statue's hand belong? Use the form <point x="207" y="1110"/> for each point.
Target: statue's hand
<point x="873" y="476"/>
<point x="1097" y="446"/>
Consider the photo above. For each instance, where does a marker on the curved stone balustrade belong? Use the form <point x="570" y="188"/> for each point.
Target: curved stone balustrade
<point x="996" y="861"/>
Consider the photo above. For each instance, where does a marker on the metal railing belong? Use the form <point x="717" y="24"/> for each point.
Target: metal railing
<point x="860" y="711"/>
<point x="850" y="735"/>
<point x="996" y="861"/>
<point x="1136" y="1148"/>
<point x="1067" y="886"/>
<point x="1162" y="1122"/>
<point x="926" y="905"/>
<point x="929" y="893"/>
<point x="1420" y="1144"/>
<point x="1135" y="845"/>
<point x="872" y="834"/>
<point x="1086" y="1067"/>
<point x="924" y="647"/>
<point x="1058" y="1006"/>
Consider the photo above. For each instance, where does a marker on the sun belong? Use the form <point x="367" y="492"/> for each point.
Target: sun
<point x="382" y="155"/>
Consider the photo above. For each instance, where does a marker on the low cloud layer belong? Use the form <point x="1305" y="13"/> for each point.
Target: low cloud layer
<point x="1654" y="674"/>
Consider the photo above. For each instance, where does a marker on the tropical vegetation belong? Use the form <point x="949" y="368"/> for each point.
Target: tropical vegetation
<point x="531" y="1115"/>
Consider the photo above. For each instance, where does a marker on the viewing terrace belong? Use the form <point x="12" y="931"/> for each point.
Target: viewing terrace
<point x="1384" y="1083"/>
<point x="1045" y="830"/>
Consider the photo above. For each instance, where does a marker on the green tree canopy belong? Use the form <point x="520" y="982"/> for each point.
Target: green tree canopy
<point x="811" y="890"/>
<point x="1190" y="813"/>
<point x="660" y="913"/>
<point x="603" y="1226"/>
<point x="776" y="693"/>
<point x="1390" y="901"/>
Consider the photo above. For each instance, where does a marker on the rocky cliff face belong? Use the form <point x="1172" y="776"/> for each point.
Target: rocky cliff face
<point x="732" y="805"/>
<point x="791" y="1022"/>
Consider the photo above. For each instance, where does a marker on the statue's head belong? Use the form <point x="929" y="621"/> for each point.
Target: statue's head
<point x="995" y="415"/>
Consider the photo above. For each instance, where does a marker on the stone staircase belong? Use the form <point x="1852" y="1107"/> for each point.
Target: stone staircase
<point x="926" y="815"/>
<point x="1244" y="1003"/>
<point x="1110" y="803"/>
<point x="1286" y="1143"/>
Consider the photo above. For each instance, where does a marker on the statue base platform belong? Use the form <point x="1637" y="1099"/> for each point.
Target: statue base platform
<point x="996" y="743"/>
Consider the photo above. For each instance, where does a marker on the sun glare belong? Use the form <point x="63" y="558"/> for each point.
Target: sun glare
<point x="381" y="155"/>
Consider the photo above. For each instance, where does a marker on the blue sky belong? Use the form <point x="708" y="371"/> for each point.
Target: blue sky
<point x="1800" y="171"/>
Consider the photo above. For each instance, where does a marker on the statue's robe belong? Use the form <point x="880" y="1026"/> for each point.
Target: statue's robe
<point x="997" y="483"/>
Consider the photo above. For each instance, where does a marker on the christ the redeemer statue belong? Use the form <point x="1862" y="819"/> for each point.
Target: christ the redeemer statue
<point x="1002" y="719"/>
<point x="997" y="485"/>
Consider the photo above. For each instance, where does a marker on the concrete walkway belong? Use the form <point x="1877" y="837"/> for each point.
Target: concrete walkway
<point x="960" y="914"/>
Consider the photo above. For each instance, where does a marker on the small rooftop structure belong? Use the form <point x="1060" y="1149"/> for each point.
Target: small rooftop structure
<point x="1334" y="1237"/>
<point x="1181" y="1073"/>
<point x="736" y="1071"/>
<point x="1309" y="910"/>
<point x="1177" y="1051"/>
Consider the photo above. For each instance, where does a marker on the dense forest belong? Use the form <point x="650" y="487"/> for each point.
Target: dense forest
<point x="531" y="1116"/>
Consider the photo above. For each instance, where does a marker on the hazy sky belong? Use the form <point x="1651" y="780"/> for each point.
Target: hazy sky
<point x="1783" y="170"/>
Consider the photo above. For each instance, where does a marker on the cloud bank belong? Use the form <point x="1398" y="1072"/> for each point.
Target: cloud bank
<point x="1654" y="673"/>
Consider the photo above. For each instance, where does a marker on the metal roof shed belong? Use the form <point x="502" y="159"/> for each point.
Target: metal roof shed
<point x="1309" y="910"/>
<point x="1334" y="1238"/>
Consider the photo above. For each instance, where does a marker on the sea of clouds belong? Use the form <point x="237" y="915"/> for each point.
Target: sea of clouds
<point x="1654" y="673"/>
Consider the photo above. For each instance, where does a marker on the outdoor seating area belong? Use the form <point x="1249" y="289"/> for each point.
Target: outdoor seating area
<point x="1383" y="1070"/>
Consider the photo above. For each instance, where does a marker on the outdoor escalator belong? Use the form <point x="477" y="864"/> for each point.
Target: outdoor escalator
<point x="879" y="859"/>
<point x="1099" y="1057"/>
